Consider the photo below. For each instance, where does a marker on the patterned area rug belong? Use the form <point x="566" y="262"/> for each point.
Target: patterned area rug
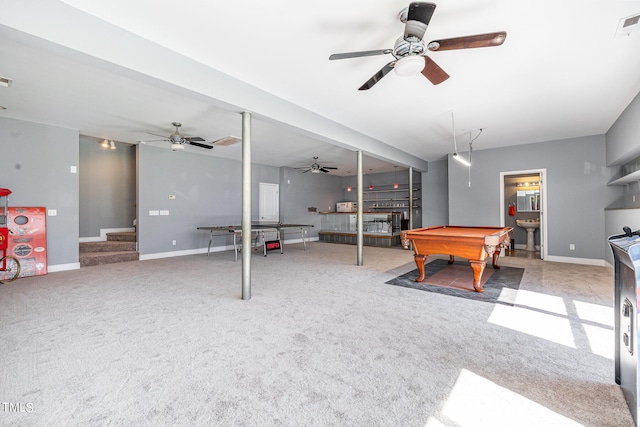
<point x="500" y="286"/>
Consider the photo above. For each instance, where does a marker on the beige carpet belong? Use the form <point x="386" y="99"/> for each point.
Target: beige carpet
<point x="321" y="342"/>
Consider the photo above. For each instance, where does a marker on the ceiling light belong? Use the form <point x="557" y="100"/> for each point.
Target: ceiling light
<point x="104" y="143"/>
<point x="176" y="147"/>
<point x="5" y="82"/>
<point x="409" y="65"/>
<point x="112" y="145"/>
<point x="348" y="188"/>
<point x="461" y="159"/>
<point x="315" y="170"/>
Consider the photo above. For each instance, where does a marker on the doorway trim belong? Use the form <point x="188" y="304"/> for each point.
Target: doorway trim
<point x="544" y="208"/>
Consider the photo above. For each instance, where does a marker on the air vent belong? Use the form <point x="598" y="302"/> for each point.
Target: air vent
<point x="628" y="25"/>
<point x="5" y="82"/>
<point x="227" y="140"/>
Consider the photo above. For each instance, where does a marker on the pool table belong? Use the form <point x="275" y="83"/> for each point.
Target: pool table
<point x="472" y="243"/>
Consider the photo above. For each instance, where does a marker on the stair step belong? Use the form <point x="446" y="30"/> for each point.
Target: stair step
<point x="98" y="258"/>
<point x="108" y="246"/>
<point x="122" y="236"/>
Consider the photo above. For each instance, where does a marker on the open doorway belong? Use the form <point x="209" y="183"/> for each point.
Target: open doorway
<point x="523" y="206"/>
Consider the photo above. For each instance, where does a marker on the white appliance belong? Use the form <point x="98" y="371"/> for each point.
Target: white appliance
<point x="346" y="207"/>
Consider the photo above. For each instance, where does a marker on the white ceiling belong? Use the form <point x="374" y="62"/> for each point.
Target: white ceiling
<point x="561" y="73"/>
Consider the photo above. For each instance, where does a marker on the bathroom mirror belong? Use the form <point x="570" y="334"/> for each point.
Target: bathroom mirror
<point x="528" y="200"/>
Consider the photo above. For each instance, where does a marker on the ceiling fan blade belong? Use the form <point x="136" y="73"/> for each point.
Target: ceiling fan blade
<point x="197" y="144"/>
<point x="359" y="54"/>
<point x="324" y="170"/>
<point x="306" y="171"/>
<point x="329" y="167"/>
<point x="418" y="18"/>
<point x="433" y="72"/>
<point x="469" y="42"/>
<point x="194" y="138"/>
<point x="377" y="76"/>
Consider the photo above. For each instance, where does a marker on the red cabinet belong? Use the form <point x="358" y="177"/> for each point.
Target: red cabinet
<point x="27" y="239"/>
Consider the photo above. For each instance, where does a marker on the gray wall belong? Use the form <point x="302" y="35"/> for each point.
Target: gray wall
<point x="576" y="188"/>
<point x="300" y="191"/>
<point x="36" y="166"/>
<point x="435" y="195"/>
<point x="107" y="186"/>
<point x="208" y="192"/>
<point x="622" y="137"/>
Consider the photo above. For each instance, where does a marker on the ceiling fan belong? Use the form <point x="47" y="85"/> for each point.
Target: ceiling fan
<point x="178" y="140"/>
<point x="316" y="168"/>
<point x="410" y="50"/>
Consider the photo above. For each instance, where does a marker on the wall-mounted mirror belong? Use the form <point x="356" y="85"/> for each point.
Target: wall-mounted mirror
<point x="528" y="200"/>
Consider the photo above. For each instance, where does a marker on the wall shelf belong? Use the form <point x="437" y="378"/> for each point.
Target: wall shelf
<point x="626" y="179"/>
<point x="392" y="198"/>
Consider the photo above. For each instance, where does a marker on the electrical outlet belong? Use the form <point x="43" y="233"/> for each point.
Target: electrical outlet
<point x="173" y="242"/>
<point x="572" y="247"/>
<point x="52" y="212"/>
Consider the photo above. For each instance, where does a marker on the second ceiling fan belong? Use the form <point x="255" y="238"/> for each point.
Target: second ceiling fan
<point x="410" y="50"/>
<point x="316" y="168"/>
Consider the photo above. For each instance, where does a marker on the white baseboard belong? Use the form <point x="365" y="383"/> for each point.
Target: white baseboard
<point x="183" y="252"/>
<point x="103" y="234"/>
<point x="213" y="249"/>
<point x="583" y="261"/>
<point x="63" y="267"/>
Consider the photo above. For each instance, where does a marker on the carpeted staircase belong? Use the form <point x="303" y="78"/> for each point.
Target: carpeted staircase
<point x="119" y="247"/>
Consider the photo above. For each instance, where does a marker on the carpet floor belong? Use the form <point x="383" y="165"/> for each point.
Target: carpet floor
<point x="321" y="342"/>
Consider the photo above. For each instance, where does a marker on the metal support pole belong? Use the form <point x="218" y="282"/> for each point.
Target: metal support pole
<point x="360" y="239"/>
<point x="410" y="198"/>
<point x="246" y="205"/>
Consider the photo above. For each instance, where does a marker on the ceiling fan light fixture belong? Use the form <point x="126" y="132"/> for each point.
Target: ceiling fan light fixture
<point x="409" y="65"/>
<point x="112" y="145"/>
<point x="176" y="146"/>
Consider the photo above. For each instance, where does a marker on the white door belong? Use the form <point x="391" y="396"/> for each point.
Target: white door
<point x="269" y="203"/>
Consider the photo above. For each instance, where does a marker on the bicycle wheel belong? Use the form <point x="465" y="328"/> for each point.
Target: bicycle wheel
<point x="12" y="270"/>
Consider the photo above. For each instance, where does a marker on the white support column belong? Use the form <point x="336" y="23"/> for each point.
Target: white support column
<point x="410" y="198"/>
<point x="359" y="238"/>
<point x="246" y="205"/>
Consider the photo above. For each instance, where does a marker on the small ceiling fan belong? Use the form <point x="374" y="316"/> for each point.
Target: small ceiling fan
<point x="410" y="50"/>
<point x="178" y="140"/>
<point x="316" y="168"/>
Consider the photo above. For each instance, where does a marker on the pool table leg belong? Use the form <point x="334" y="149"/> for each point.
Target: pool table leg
<point x="450" y="259"/>
<point x="478" y="268"/>
<point x="496" y="255"/>
<point x="420" y="260"/>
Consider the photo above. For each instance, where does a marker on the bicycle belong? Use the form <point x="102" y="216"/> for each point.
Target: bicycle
<point x="11" y="265"/>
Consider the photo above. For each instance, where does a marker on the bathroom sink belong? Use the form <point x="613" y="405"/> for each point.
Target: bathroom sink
<point x="528" y="223"/>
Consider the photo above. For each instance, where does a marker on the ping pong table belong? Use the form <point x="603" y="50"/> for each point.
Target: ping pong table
<point x="258" y="230"/>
